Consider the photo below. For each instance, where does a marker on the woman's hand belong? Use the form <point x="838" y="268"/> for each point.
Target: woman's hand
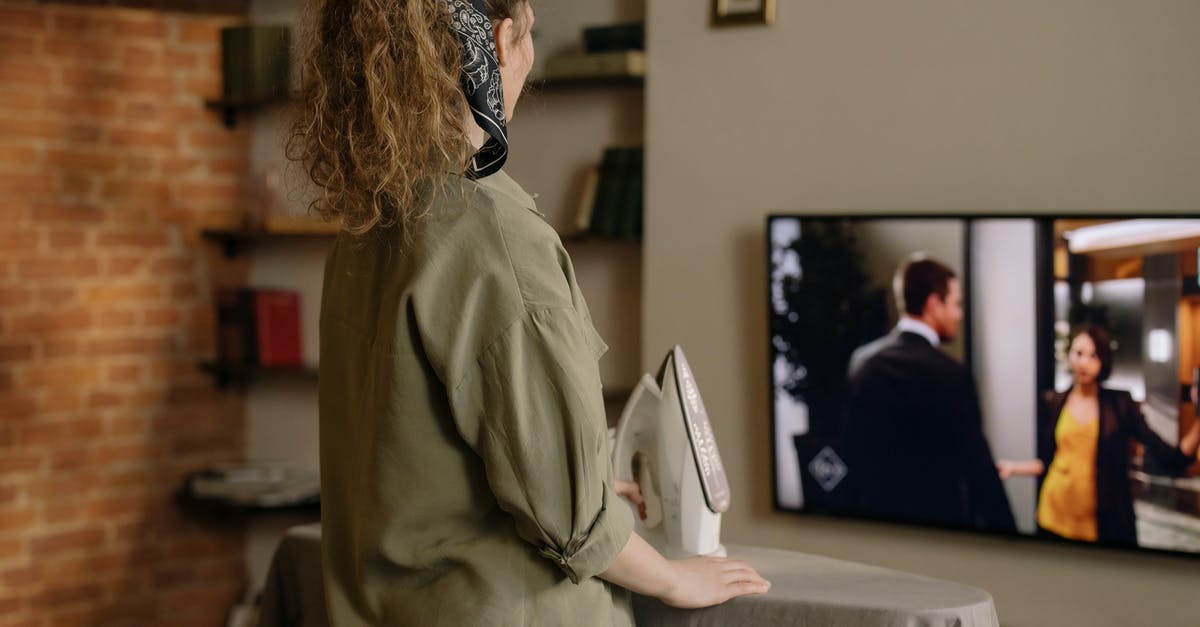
<point x="633" y="492"/>
<point x="705" y="581"/>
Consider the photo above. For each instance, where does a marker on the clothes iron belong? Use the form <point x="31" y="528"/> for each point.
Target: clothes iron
<point x="664" y="442"/>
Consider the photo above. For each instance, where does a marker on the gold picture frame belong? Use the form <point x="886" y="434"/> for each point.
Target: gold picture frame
<point x="738" y="12"/>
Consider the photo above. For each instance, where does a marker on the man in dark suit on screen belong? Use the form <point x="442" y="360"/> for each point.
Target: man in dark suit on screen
<point x="915" y="431"/>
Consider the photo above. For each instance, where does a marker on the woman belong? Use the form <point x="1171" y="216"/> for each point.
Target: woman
<point x="464" y="465"/>
<point x="1083" y="439"/>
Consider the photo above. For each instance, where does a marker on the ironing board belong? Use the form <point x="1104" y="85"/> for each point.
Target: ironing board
<point x="806" y="590"/>
<point x="813" y="590"/>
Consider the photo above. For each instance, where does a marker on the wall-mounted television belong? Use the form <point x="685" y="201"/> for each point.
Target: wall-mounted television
<point x="1030" y="375"/>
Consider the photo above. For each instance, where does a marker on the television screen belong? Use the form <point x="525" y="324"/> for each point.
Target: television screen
<point x="1031" y="375"/>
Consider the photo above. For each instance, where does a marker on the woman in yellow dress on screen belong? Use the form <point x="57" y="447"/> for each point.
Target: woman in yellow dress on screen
<point x="1083" y="450"/>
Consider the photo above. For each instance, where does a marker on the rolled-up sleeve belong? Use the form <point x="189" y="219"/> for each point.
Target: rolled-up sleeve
<point x="532" y="408"/>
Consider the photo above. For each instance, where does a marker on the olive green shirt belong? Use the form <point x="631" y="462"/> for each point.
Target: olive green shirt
<point x="465" y="471"/>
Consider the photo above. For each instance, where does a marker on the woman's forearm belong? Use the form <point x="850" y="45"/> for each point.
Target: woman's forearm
<point x="642" y="569"/>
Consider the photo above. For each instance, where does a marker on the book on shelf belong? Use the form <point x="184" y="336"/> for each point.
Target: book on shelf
<point x="611" y="64"/>
<point x="258" y="485"/>
<point x="277" y="317"/>
<point x="611" y="206"/>
<point x="258" y="327"/>
<point x="295" y="224"/>
<point x="583" y="217"/>
<point x="609" y="37"/>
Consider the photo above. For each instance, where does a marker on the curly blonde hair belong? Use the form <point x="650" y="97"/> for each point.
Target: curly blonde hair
<point x="381" y="109"/>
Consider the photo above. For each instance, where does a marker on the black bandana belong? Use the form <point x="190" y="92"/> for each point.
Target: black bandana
<point x="481" y="83"/>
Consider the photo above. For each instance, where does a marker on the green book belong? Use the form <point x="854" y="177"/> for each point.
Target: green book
<point x="606" y="210"/>
<point x="631" y="197"/>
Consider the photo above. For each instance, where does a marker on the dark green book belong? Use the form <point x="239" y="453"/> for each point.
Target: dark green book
<point x="631" y="204"/>
<point x="606" y="210"/>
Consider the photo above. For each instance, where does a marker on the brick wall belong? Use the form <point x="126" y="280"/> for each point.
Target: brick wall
<point x="109" y="164"/>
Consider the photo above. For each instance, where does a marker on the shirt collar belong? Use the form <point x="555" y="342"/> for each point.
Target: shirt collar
<point x="912" y="325"/>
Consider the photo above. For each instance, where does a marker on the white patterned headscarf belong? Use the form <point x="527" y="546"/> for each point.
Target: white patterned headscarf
<point x="481" y="83"/>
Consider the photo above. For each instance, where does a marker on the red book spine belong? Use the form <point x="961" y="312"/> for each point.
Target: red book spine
<point x="278" y="314"/>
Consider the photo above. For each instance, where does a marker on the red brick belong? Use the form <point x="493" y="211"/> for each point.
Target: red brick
<point x="89" y="79"/>
<point x="141" y="57"/>
<point x="133" y="138"/>
<point x="62" y="432"/>
<point x="17" y="155"/>
<point x="57" y="296"/>
<point x="173" y="265"/>
<point x="128" y="27"/>
<point x="76" y="185"/>
<point x="140" y="238"/>
<point x="83" y="103"/>
<point x="197" y="192"/>
<point x="70" y="320"/>
<point x="102" y="399"/>
<point x="22" y="18"/>
<point x="162" y="317"/>
<point x="143" y="112"/>
<point x="19" y="463"/>
<point x="121" y="266"/>
<point x="176" y="165"/>
<point x="69" y="459"/>
<point x="141" y="163"/>
<point x="177" y="61"/>
<point x="89" y="23"/>
<point x="82" y="134"/>
<point x="141" y="84"/>
<point x="229" y="166"/>
<point x="68" y="238"/>
<point x="56" y="268"/>
<point x="127" y="346"/>
<point x="22" y="184"/>
<point x="116" y="318"/>
<point x="62" y="400"/>
<point x="76" y="49"/>
<point x="127" y="426"/>
<point x="125" y="373"/>
<point x="26" y="75"/>
<point x="122" y="293"/>
<point x="184" y="290"/>
<point x="86" y="160"/>
<point x="24" y="576"/>
<point x="14" y="407"/>
<point x="137" y="193"/>
<point x="12" y="126"/>
<point x="18" y="240"/>
<point x="73" y="213"/>
<point x="62" y="513"/>
<point x="59" y="347"/>
<point x="22" y="100"/>
<point x="199" y="32"/>
<point x="16" y="44"/>
<point x="13" y="352"/>
<point x="60" y="375"/>
<point x="10" y="549"/>
<point x="15" y="518"/>
<point x="56" y="596"/>
<point x="14" y="296"/>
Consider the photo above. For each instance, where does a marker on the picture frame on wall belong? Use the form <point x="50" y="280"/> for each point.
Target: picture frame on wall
<point x="741" y="12"/>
